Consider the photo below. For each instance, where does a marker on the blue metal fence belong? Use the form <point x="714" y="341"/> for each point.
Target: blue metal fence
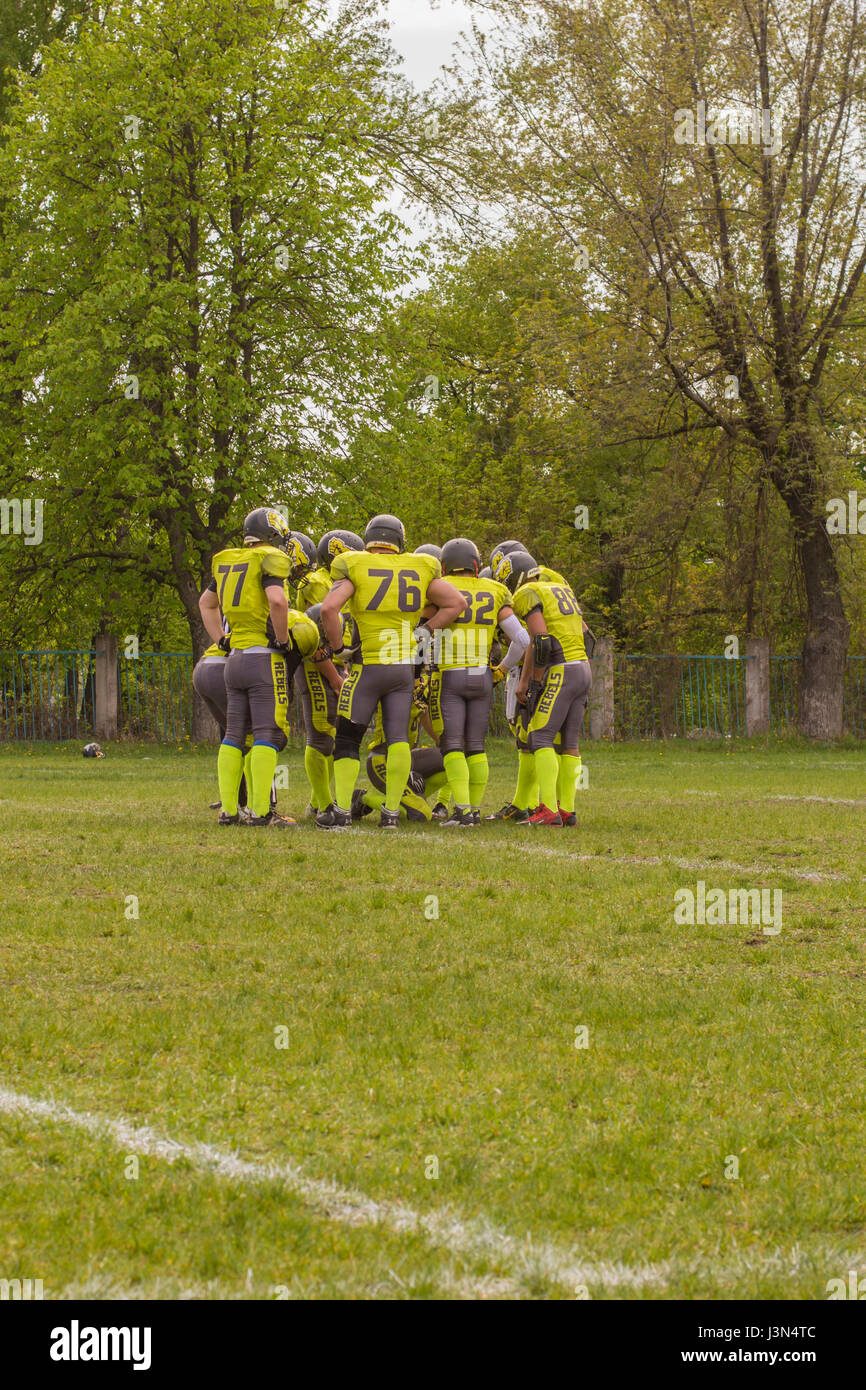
<point x="46" y="695"/>
<point x="50" y="695"/>
<point x="155" y="696"/>
<point x="679" y="695"/>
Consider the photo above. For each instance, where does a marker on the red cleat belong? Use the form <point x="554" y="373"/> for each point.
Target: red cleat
<point x="544" y="816"/>
<point x="568" y="817"/>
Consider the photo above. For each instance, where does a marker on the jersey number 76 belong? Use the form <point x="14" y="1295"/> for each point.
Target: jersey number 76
<point x="408" y="595"/>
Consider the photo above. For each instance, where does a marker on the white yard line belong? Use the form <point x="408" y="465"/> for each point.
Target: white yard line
<point x="470" y="1238"/>
<point x="444" y="1229"/>
<point x="528" y="844"/>
<point x="774" y="796"/>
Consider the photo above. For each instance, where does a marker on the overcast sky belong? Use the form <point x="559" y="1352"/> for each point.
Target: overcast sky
<point x="423" y="33"/>
<point x="425" y="36"/>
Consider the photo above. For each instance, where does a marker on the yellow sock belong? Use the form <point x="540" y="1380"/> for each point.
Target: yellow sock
<point x="318" y="774"/>
<point x="479" y="771"/>
<point x="458" y="778"/>
<point x="230" y="766"/>
<point x="398" y="765"/>
<point x="526" y="794"/>
<point x="567" y="784"/>
<point x="263" y="761"/>
<point x="345" y="776"/>
<point x="545" y="767"/>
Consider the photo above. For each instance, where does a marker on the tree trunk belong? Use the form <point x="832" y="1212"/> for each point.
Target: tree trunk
<point x="825" y="648"/>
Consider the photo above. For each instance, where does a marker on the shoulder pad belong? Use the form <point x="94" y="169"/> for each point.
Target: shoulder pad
<point x="274" y="561"/>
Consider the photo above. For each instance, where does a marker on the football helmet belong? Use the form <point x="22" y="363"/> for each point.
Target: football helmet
<point x="515" y="568"/>
<point x="387" y="531"/>
<point x="308" y="546"/>
<point x="460" y="556"/>
<point x="503" y="548"/>
<point x="334" y="543"/>
<point x="268" y="526"/>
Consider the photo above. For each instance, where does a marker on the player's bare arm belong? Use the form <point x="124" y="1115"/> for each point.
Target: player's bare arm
<point x="329" y="671"/>
<point x="450" y="604"/>
<point x="209" y="607"/>
<point x="331" y="604"/>
<point x="279" y="607"/>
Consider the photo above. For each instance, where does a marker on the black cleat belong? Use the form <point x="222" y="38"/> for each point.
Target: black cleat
<point x="388" y="820"/>
<point x="462" y="818"/>
<point x="273" y="820"/>
<point x="359" y="805"/>
<point x="215" y="806"/>
<point x="440" y="811"/>
<point x="225" y="819"/>
<point x="510" y="812"/>
<point x="334" y="819"/>
<point x="476" y="817"/>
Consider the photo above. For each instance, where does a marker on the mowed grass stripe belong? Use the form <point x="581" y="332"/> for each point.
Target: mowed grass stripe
<point x="456" y="1036"/>
<point x="444" y="1229"/>
<point x="174" y="1230"/>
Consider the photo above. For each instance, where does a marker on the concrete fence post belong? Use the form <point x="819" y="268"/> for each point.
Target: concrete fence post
<point x="105" y="688"/>
<point x="758" y="686"/>
<point x="601" y="696"/>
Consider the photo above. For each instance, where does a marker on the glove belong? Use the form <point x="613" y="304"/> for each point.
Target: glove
<point x="284" y="648"/>
<point x="225" y="644"/>
<point x="498" y="674"/>
<point x="533" y="695"/>
<point x="423" y="639"/>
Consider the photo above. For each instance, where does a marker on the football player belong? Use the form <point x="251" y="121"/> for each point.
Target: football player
<point x="317" y="679"/>
<point x="300" y="568"/>
<point x="556" y="660"/>
<point x="466" y="679"/>
<point x="209" y="682"/>
<point x="428" y="773"/>
<point x="386" y="592"/>
<point x="268" y="642"/>
<point x="525" y="797"/>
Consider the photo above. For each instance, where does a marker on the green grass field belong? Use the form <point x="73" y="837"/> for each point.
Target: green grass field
<point x="288" y="998"/>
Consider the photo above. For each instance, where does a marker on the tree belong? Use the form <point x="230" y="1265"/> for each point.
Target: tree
<point x="194" y="251"/>
<point x="26" y="29"/>
<point x="703" y="162"/>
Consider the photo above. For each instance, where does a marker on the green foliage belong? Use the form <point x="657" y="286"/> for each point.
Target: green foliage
<point x="195" y="247"/>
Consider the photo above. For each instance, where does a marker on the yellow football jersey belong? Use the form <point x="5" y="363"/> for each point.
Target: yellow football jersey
<point x="551" y="576"/>
<point x="468" y="640"/>
<point x="313" y="588"/>
<point x="390" y="594"/>
<point x="561" y="614"/>
<point x="242" y="575"/>
<point x="213" y="650"/>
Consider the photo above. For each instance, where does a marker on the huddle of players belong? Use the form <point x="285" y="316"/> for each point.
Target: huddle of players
<point x="407" y="638"/>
